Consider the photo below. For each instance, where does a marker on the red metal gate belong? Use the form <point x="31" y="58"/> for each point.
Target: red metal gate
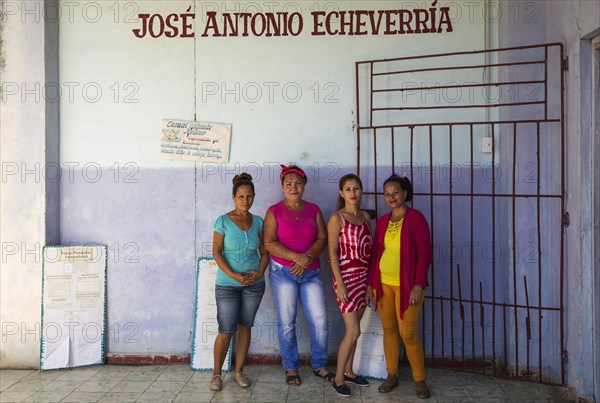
<point x="497" y="214"/>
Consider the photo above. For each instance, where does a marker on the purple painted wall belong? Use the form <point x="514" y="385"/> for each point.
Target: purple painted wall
<point x="157" y="222"/>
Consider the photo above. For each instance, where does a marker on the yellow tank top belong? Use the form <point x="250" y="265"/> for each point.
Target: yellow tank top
<point x="390" y="260"/>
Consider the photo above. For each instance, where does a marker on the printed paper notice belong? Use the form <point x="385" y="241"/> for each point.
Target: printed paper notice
<point x="195" y="141"/>
<point x="369" y="358"/>
<point x="206" y="327"/>
<point x="73" y="302"/>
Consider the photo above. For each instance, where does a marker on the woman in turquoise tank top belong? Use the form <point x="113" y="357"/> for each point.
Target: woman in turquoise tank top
<point x="240" y="285"/>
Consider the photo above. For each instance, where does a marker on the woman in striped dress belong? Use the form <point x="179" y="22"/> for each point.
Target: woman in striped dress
<point x="349" y="236"/>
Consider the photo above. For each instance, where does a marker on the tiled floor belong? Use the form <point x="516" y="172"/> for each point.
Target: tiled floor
<point x="177" y="383"/>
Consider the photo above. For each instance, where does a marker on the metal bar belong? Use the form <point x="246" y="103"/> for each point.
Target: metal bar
<point x="546" y="82"/>
<point x="461" y="86"/>
<point x="483" y="122"/>
<point x="505" y="338"/>
<point x="357" y="94"/>
<point x="442" y="332"/>
<point x="476" y="66"/>
<point x="514" y="246"/>
<point x="393" y="151"/>
<point x="451" y="247"/>
<point x="562" y="202"/>
<point x="508" y="195"/>
<point x="527" y="322"/>
<point x="497" y="304"/>
<point x="371" y="97"/>
<point x="539" y="245"/>
<point x="494" y="246"/>
<point x="412" y="141"/>
<point x="410" y="108"/>
<point x="432" y="237"/>
<point x="482" y="322"/>
<point x="472" y="179"/>
<point x="462" y="314"/>
<point x="469" y="52"/>
<point x="375" y="168"/>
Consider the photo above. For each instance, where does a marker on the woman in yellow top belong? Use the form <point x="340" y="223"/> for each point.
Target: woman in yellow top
<point x="400" y="259"/>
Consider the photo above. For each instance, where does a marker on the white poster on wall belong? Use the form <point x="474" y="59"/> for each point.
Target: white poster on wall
<point x="195" y="141"/>
<point x="73" y="306"/>
<point x="206" y="327"/>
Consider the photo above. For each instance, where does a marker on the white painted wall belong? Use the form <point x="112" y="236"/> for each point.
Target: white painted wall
<point x="288" y="98"/>
<point x="28" y="204"/>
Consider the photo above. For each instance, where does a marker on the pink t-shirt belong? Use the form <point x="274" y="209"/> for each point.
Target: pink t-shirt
<point x="296" y="230"/>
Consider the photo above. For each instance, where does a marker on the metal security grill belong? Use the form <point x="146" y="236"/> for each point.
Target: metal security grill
<point x="481" y="136"/>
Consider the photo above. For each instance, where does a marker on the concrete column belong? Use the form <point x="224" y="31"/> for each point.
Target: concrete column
<point x="29" y="183"/>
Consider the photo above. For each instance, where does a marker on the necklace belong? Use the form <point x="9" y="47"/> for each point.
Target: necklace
<point x="393" y="227"/>
<point x="295" y="212"/>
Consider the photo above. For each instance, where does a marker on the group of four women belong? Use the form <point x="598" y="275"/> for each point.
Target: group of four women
<point x="388" y="270"/>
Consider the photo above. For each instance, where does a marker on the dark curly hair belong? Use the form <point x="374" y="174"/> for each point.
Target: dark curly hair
<point x="243" y="179"/>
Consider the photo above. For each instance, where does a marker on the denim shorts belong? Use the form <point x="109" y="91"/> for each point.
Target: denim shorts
<point x="237" y="304"/>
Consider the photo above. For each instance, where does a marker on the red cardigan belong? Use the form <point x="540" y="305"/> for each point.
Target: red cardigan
<point x="415" y="255"/>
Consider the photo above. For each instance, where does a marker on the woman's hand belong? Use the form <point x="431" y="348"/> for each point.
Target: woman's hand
<point x="416" y="294"/>
<point x="250" y="277"/>
<point x="296" y="270"/>
<point x="303" y="260"/>
<point x="239" y="277"/>
<point x="369" y="297"/>
<point x="342" y="293"/>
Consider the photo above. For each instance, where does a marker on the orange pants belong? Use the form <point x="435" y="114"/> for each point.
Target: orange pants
<point x="394" y="327"/>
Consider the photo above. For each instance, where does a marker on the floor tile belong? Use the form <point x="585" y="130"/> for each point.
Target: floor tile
<point x="43" y="376"/>
<point x="7" y="383"/>
<point x="157" y="397"/>
<point x="142" y="376"/>
<point x="14" y="396"/>
<point x="281" y="387"/>
<point x="239" y="395"/>
<point x="266" y="398"/>
<point x="131" y="386"/>
<point x="120" y="397"/>
<point x="54" y="396"/>
<point x="77" y="397"/>
<point x="97" y="386"/>
<point x="201" y="376"/>
<point x="77" y="374"/>
<point x="186" y="397"/>
<point x="109" y="376"/>
<point x="62" y="386"/>
<point x="27" y="386"/>
<point x="165" y="387"/>
<point x="175" y="376"/>
<point x="177" y="383"/>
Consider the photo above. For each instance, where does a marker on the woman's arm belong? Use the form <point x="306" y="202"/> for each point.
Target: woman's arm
<point x="321" y="242"/>
<point x="217" y="250"/>
<point x="333" y="231"/>
<point x="424" y="257"/>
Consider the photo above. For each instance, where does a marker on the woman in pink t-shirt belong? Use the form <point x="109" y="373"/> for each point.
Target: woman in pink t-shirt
<point x="295" y="235"/>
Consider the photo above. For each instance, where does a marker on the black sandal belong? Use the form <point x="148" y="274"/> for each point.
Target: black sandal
<point x="329" y="377"/>
<point x="289" y="379"/>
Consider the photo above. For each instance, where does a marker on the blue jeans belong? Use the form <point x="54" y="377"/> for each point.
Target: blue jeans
<point x="237" y="305"/>
<point x="286" y="290"/>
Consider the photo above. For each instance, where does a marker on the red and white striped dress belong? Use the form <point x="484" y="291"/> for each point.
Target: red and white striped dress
<point x="354" y="253"/>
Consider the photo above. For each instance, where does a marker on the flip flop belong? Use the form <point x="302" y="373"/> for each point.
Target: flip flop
<point x="329" y="377"/>
<point x="289" y="379"/>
